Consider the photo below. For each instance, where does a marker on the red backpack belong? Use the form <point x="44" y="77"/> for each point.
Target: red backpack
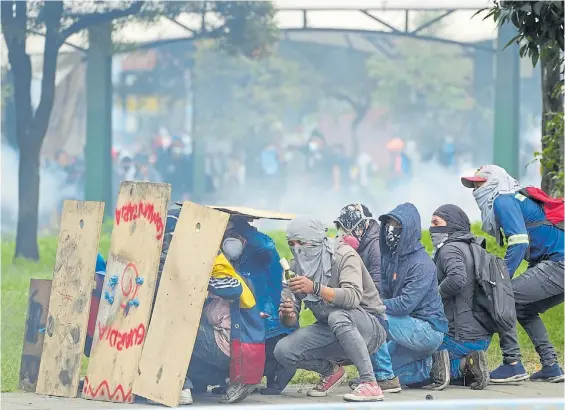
<point x="553" y="208"/>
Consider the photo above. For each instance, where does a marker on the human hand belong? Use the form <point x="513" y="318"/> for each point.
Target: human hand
<point x="286" y="309"/>
<point x="301" y="284"/>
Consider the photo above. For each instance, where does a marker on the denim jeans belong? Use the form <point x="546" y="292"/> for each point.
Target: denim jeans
<point x="209" y="366"/>
<point x="458" y="349"/>
<point x="412" y="343"/>
<point x="350" y="336"/>
<point x="535" y="291"/>
<point x="382" y="363"/>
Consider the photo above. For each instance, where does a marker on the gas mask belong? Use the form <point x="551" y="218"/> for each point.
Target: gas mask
<point x="392" y="236"/>
<point x="232" y="248"/>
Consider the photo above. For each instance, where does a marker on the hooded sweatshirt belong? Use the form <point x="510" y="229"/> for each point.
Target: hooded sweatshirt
<point x="456" y="276"/>
<point x="408" y="276"/>
<point x="370" y="252"/>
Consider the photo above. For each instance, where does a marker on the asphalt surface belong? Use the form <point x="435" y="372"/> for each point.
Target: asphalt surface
<point x="525" y="395"/>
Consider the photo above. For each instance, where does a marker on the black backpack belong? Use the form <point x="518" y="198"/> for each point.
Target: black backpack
<point x="493" y="300"/>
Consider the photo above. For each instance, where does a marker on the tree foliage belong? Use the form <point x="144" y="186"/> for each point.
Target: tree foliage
<point x="244" y="94"/>
<point x="540" y="35"/>
<point x="426" y="87"/>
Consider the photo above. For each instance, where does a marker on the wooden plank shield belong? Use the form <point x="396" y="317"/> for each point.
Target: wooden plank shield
<point x="69" y="303"/>
<point x="182" y="291"/>
<point x="127" y="294"/>
<point x="36" y="319"/>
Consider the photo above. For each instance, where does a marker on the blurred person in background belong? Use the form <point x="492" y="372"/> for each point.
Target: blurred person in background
<point x="446" y="156"/>
<point x="319" y="162"/>
<point x="341" y="169"/>
<point x="176" y="169"/>
<point x="400" y="163"/>
<point x="144" y="170"/>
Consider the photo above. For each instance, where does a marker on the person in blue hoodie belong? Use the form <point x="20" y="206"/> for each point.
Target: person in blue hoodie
<point x="532" y="238"/>
<point x="255" y="257"/>
<point x="416" y="320"/>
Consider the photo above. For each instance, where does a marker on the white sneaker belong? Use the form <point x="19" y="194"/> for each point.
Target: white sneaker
<point x="185" y="398"/>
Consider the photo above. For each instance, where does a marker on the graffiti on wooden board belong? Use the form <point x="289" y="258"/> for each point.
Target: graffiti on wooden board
<point x="103" y="390"/>
<point x="130" y="212"/>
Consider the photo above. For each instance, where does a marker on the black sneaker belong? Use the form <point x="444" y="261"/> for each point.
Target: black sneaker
<point x="441" y="370"/>
<point x="551" y="374"/>
<point x="476" y="367"/>
<point x="237" y="392"/>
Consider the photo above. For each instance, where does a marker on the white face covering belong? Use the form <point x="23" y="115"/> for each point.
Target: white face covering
<point x="232" y="248"/>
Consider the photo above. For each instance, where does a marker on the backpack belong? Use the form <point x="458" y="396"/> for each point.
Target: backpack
<point x="493" y="300"/>
<point x="553" y="208"/>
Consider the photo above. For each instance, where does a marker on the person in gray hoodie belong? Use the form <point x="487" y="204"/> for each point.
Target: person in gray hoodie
<point x="357" y="227"/>
<point x="417" y="323"/>
<point x="334" y="284"/>
<point x="467" y="338"/>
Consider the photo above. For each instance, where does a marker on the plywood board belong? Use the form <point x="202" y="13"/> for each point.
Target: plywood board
<point x="69" y="303"/>
<point x="179" y="302"/>
<point x="252" y="213"/>
<point x="36" y="319"/>
<point x="128" y="291"/>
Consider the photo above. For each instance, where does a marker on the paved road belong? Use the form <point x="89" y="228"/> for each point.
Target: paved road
<point x="526" y="395"/>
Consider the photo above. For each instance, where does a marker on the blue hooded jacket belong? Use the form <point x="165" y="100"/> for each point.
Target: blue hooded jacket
<point x="259" y="264"/>
<point x="408" y="276"/>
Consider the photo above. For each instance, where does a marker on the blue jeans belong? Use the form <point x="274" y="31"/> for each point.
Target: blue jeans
<point x="412" y="343"/>
<point x="458" y="349"/>
<point x="209" y="366"/>
<point x="382" y="364"/>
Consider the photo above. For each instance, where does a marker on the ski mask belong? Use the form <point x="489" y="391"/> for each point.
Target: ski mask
<point x="392" y="235"/>
<point x="232" y="248"/>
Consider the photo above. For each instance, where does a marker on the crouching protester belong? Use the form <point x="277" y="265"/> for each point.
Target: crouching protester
<point x="523" y="216"/>
<point x="230" y="339"/>
<point x="468" y="336"/>
<point x="335" y="285"/>
<point x="416" y="320"/>
<point x="357" y="227"/>
<point x="255" y="257"/>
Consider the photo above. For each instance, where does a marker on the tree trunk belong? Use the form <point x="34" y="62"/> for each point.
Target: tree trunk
<point x="28" y="197"/>
<point x="552" y="104"/>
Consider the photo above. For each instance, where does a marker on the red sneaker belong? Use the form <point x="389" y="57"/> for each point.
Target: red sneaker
<point x="328" y="383"/>
<point x="368" y="391"/>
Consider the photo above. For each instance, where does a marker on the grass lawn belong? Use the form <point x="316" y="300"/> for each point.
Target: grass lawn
<point x="15" y="284"/>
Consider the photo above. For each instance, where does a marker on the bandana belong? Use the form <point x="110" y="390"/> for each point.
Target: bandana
<point x="315" y="256"/>
<point x="498" y="182"/>
<point x="392" y="236"/>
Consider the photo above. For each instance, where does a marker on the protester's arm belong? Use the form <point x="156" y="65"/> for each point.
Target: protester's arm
<point x="452" y="259"/>
<point x="416" y="284"/>
<point x="509" y="216"/>
<point x="374" y="266"/>
<point x="222" y="284"/>
<point x="350" y="291"/>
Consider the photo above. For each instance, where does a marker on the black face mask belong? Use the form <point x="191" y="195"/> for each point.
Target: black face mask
<point x="441" y="229"/>
<point x="392" y="236"/>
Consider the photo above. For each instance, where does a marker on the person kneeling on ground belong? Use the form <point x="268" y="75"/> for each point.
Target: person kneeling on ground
<point x="468" y="336"/>
<point x="335" y="285"/>
<point x="230" y="339"/>
<point x="531" y="237"/>
<point x="357" y="227"/>
<point x="254" y="255"/>
<point x="417" y="323"/>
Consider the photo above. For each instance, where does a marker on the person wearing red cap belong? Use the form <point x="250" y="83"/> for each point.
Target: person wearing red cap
<point x="505" y="212"/>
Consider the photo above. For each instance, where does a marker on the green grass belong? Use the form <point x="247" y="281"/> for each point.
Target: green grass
<point x="15" y="284"/>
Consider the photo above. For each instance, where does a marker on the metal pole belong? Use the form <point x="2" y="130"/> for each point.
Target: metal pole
<point x="98" y="149"/>
<point x="507" y="102"/>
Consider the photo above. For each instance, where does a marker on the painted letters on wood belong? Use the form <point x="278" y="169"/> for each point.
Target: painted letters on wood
<point x="36" y="319"/>
<point x="181" y="294"/>
<point x="128" y="291"/>
<point x="69" y="304"/>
